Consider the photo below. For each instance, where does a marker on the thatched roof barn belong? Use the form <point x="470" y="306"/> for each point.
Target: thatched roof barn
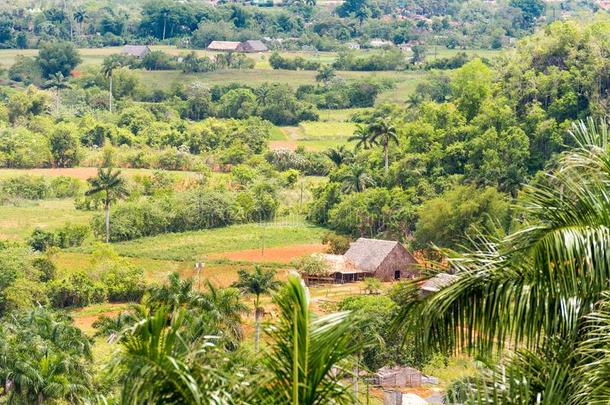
<point x="384" y="259"/>
<point x="139" y="51"/>
<point x="252" y="45"/>
<point x="224" y="46"/>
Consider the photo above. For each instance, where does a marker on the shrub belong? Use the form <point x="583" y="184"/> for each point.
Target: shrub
<point x="124" y="282"/>
<point x="26" y="187"/>
<point x="65" y="187"/>
<point x="337" y="244"/>
<point x="76" y="290"/>
<point x="70" y="235"/>
<point x="41" y="240"/>
<point x="313" y="265"/>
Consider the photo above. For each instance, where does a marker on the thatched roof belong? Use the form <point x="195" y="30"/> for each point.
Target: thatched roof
<point x="368" y="254"/>
<point x="139" y="51"/>
<point x="339" y="264"/>
<point x="253" y="45"/>
<point x="438" y="282"/>
<point x="223" y="46"/>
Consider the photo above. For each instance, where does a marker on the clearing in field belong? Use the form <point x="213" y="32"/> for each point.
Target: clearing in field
<point x="284" y="254"/>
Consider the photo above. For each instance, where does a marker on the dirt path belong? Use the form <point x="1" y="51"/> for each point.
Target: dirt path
<point x="284" y="254"/>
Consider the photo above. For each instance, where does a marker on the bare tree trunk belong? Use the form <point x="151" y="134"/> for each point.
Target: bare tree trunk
<point x="385" y="156"/>
<point x="257" y="330"/>
<point x="355" y="379"/>
<point x="107" y="209"/>
<point x="110" y="94"/>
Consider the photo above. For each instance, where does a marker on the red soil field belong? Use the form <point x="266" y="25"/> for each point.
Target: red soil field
<point x="284" y="254"/>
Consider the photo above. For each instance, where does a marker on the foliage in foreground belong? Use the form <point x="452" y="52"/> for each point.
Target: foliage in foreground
<point x="541" y="289"/>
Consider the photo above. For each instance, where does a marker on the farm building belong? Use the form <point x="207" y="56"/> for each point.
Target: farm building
<point x="252" y="46"/>
<point x="384" y="259"/>
<point x="224" y="46"/>
<point x="436" y="283"/>
<point x="397" y="377"/>
<point x="138" y="51"/>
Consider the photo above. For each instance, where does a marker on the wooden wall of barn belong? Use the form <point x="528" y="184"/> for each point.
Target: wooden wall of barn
<point x="399" y="259"/>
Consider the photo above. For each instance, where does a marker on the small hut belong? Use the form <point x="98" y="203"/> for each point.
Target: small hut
<point x="252" y="46"/>
<point x="223" y="46"/>
<point x="397" y="377"/>
<point x="436" y="283"/>
<point x="138" y="51"/>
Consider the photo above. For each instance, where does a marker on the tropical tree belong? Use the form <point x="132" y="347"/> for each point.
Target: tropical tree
<point x="57" y="81"/>
<point x="108" y="67"/>
<point x="363" y="138"/>
<point x="111" y="185"/>
<point x="535" y="289"/>
<point x="338" y="155"/>
<point x="356" y="179"/>
<point x="80" y="16"/>
<point x="383" y="132"/>
<point x="257" y="283"/>
<point x="43" y="359"/>
<point x="414" y="100"/>
<point x="169" y="358"/>
<point x="304" y="350"/>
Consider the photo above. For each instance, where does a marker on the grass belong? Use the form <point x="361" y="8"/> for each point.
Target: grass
<point x="318" y="136"/>
<point x="195" y="246"/>
<point x="18" y="222"/>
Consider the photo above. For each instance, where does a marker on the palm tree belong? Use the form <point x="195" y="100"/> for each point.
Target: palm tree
<point x="57" y="81"/>
<point x="536" y="288"/>
<point x="43" y="359"/>
<point x="112" y="186"/>
<point x="414" y="100"/>
<point x="383" y="132"/>
<point x="338" y="155"/>
<point x="108" y="67"/>
<point x="257" y="283"/>
<point x="305" y="350"/>
<point x="363" y="138"/>
<point x="166" y="359"/>
<point x="356" y="179"/>
<point x="79" y="16"/>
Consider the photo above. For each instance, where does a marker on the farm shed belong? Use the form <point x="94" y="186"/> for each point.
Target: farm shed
<point x="225" y="46"/>
<point x="436" y="283"/>
<point x="397" y="377"/>
<point x="252" y="46"/>
<point x="383" y="259"/>
<point x="339" y="271"/>
<point x="139" y="51"/>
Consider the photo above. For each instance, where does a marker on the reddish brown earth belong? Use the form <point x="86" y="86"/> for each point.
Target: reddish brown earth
<point x="284" y="254"/>
<point x="282" y="145"/>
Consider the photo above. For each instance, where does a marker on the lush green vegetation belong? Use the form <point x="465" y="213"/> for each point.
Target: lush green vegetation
<point x="162" y="202"/>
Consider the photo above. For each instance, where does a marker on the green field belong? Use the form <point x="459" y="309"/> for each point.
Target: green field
<point x="18" y="222"/>
<point x="192" y="246"/>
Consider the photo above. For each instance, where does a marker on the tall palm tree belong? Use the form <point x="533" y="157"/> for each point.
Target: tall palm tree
<point x="57" y="81"/>
<point x="383" y="132"/>
<point x="536" y="288"/>
<point x="80" y="16"/>
<point x="356" y="179"/>
<point x="111" y="185"/>
<point x="257" y="283"/>
<point x="363" y="138"/>
<point x="305" y="350"/>
<point x="108" y="67"/>
<point x="338" y="155"/>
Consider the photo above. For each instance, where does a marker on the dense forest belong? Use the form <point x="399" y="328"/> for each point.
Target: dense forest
<point x="145" y="201"/>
